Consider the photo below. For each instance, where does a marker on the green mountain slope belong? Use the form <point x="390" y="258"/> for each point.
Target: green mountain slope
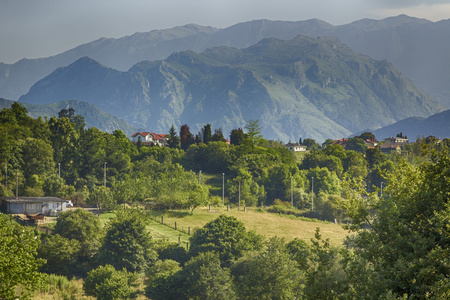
<point x="305" y="87"/>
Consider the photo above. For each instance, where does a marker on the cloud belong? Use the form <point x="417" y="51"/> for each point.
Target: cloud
<point x="432" y="12"/>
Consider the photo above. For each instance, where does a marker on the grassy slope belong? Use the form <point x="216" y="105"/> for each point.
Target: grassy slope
<point x="267" y="224"/>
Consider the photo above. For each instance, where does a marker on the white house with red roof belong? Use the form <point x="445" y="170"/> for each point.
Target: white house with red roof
<point x="150" y="138"/>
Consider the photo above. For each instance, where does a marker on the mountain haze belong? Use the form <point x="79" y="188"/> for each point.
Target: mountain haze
<point x="437" y="125"/>
<point x="304" y="87"/>
<point x="420" y="49"/>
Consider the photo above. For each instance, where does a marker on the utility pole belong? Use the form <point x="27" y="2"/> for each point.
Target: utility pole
<point x="104" y="175"/>
<point x="239" y="208"/>
<point x="292" y="194"/>
<point x="17" y="184"/>
<point x="223" y="189"/>
<point x="59" y="170"/>
<point x="6" y="172"/>
<point x="200" y="177"/>
<point x="312" y="194"/>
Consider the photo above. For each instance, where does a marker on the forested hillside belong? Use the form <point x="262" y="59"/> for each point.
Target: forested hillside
<point x="398" y="248"/>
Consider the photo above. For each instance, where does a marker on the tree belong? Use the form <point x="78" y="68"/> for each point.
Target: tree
<point x="206" y="133"/>
<point x="253" y="136"/>
<point x="201" y="278"/>
<point x="127" y="243"/>
<point x="37" y="157"/>
<point x="325" y="279"/>
<point x="324" y="181"/>
<point x="311" y="144"/>
<point x="237" y="136"/>
<point x="18" y="262"/>
<point x="245" y="187"/>
<point x="227" y="237"/>
<point x="186" y="137"/>
<point x="173" y="140"/>
<point x="106" y="283"/>
<point x="218" y="136"/>
<point x="356" y="144"/>
<point x="374" y="157"/>
<point x="270" y="274"/>
<point x="83" y="226"/>
<point x="408" y="244"/>
<point x="61" y="255"/>
<point x="367" y="136"/>
<point x="102" y="197"/>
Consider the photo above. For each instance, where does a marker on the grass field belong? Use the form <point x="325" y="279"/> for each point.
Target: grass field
<point x="264" y="223"/>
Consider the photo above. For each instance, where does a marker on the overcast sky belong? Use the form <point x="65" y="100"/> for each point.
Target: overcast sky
<point x="41" y="28"/>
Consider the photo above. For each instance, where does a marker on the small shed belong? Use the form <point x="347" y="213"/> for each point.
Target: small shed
<point x="32" y="205"/>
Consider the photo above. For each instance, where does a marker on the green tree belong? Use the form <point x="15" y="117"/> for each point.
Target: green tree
<point x="408" y="244"/>
<point x="173" y="140"/>
<point x="270" y="274"/>
<point x="325" y="278"/>
<point x="355" y="165"/>
<point x="102" y="197"/>
<point x="186" y="137"/>
<point x="253" y="137"/>
<point x="37" y="157"/>
<point x="83" y="226"/>
<point x="61" y="255"/>
<point x="127" y="243"/>
<point x="324" y="181"/>
<point x="107" y="283"/>
<point x="218" y="136"/>
<point x="227" y="237"/>
<point x="356" y="144"/>
<point x="201" y="278"/>
<point x="18" y="262"/>
<point x="244" y="187"/>
<point x="206" y="133"/>
<point x="311" y="144"/>
<point x="237" y="137"/>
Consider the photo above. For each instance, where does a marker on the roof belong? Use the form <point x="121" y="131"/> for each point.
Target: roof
<point x="31" y="199"/>
<point x="140" y="133"/>
<point x="158" y="136"/>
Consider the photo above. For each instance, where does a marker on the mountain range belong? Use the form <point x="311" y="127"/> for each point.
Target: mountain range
<point x="304" y="87"/>
<point x="437" y="125"/>
<point x="420" y="49"/>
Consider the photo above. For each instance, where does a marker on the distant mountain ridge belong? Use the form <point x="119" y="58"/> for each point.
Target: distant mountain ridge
<point x="402" y="40"/>
<point x="437" y="125"/>
<point x="304" y="87"/>
<point x="93" y="116"/>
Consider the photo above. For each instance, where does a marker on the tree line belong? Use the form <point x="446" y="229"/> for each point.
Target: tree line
<point x="398" y="249"/>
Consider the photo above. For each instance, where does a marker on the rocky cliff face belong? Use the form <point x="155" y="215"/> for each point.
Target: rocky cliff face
<point x="308" y="87"/>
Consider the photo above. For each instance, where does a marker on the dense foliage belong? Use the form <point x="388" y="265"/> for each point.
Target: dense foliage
<point x="396" y="206"/>
<point x="18" y="263"/>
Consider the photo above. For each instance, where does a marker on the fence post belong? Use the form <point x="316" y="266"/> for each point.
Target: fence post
<point x="175" y="225"/>
<point x="179" y="239"/>
<point x="189" y="230"/>
<point x="228" y="208"/>
<point x="210" y="207"/>
<point x="245" y="208"/>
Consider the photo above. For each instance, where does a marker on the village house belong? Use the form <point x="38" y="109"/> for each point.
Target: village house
<point x="295" y="147"/>
<point x="32" y="205"/>
<point x="150" y="138"/>
<point x="393" y="144"/>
